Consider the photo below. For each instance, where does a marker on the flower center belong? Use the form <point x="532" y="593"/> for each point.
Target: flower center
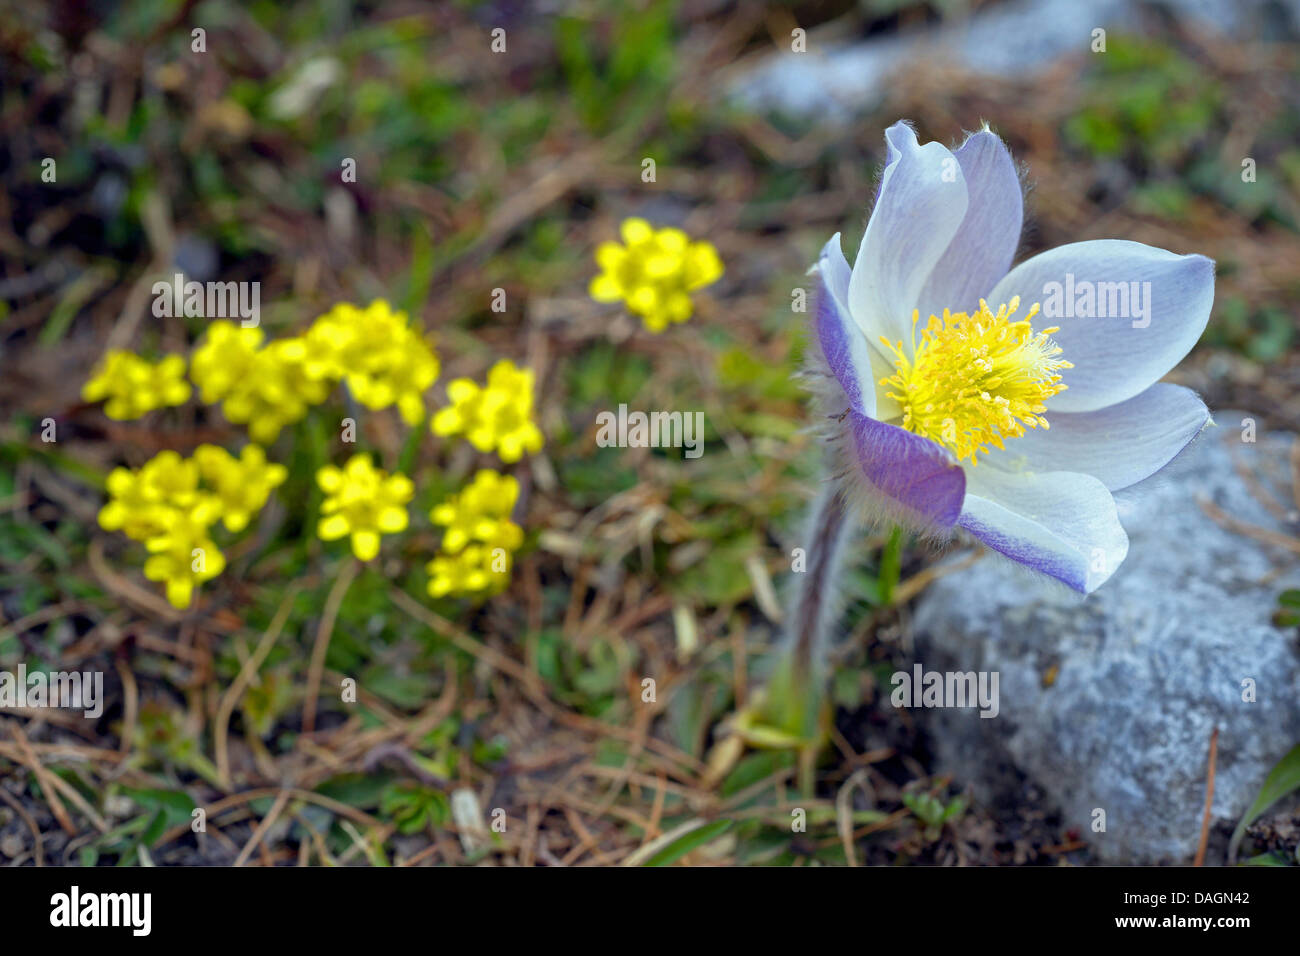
<point x="975" y="380"/>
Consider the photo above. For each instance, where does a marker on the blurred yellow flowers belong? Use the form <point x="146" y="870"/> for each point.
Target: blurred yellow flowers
<point x="171" y="503"/>
<point x="133" y="385"/>
<point x="383" y="358"/>
<point x="480" y="538"/>
<point x="276" y="391"/>
<point x="182" y="555"/>
<point x="364" y="502"/>
<point x="654" y="272"/>
<point x="498" y="416"/>
<point x="142" y="502"/>
<point x="481" y="512"/>
<point x="476" y="571"/>
<point x="240" y="485"/>
<point x="224" y="360"/>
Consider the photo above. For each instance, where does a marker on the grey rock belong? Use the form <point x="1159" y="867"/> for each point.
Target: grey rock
<point x="1145" y="668"/>
<point x="1016" y="39"/>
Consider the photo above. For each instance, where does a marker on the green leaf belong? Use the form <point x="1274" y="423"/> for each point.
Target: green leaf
<point x="755" y="767"/>
<point x="1288" y="609"/>
<point x="409" y="690"/>
<point x="689" y="841"/>
<point x="157" y="827"/>
<point x="174" y="806"/>
<point x="1282" y="779"/>
<point x="363" y="791"/>
<point x="891" y="565"/>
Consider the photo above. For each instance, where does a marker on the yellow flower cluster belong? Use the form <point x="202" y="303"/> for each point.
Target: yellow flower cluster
<point x="480" y="539"/>
<point x="655" y="272"/>
<point x="384" y="360"/>
<point x="172" y="502"/>
<point x="363" y="502"/>
<point x="498" y="416"/>
<point x="240" y="485"/>
<point x="133" y="385"/>
<point x="263" y="387"/>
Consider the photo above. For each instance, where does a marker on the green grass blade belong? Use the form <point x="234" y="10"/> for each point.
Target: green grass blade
<point x="1282" y="779"/>
<point x="687" y="842"/>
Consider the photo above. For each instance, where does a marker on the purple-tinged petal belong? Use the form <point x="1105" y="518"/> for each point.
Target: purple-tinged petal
<point x="920" y="477"/>
<point x="981" y="252"/>
<point x="842" y="342"/>
<point x="1120" y="444"/>
<point x="1059" y="523"/>
<point x="1127" y="314"/>
<point x="921" y="205"/>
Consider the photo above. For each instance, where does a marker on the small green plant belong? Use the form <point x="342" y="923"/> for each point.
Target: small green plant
<point x="1288" y="608"/>
<point x="1144" y="97"/>
<point x="933" y="812"/>
<point x="1282" y="780"/>
<point x="414" y="807"/>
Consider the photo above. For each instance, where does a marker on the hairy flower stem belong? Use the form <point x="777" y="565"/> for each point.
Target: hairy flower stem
<point x="813" y="612"/>
<point x="795" y="697"/>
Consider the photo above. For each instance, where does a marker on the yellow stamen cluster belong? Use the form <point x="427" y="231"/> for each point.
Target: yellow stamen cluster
<point x="654" y="273"/>
<point x="498" y="416"/>
<point x="363" y="502"/>
<point x="171" y="503"/>
<point x="480" y="540"/>
<point x="130" y="385"/>
<point x="975" y="380"/>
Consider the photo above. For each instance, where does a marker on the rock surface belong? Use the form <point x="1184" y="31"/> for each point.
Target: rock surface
<point x="836" y="80"/>
<point x="1109" y="702"/>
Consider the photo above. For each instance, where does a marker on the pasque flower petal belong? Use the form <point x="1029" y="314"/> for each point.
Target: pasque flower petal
<point x="981" y="251"/>
<point x="843" y="344"/>
<point x="1118" y="356"/>
<point x="1062" y="524"/>
<point x="919" y="478"/>
<point x="921" y="205"/>
<point x="1120" y="444"/>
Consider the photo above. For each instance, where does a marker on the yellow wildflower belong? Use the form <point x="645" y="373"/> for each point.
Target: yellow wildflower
<point x="476" y="571"/>
<point x="498" y="416"/>
<point x="334" y="342"/>
<point x="481" y="512"/>
<point x="133" y="385"/>
<point x="128" y="506"/>
<point x="171" y="502"/>
<point x="384" y="359"/>
<point x="134" y="507"/>
<point x="655" y="272"/>
<point x="275" y="390"/>
<point x="398" y="369"/>
<point x="183" y="555"/>
<point x="224" y="360"/>
<point x="364" y="502"/>
<point x="240" y="485"/>
<point x="142" y="503"/>
<point x="172" y="479"/>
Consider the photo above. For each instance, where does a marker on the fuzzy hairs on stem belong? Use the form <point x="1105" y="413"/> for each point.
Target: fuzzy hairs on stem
<point x="817" y="597"/>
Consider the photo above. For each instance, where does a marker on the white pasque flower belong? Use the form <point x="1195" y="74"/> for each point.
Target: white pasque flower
<point x="951" y="374"/>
